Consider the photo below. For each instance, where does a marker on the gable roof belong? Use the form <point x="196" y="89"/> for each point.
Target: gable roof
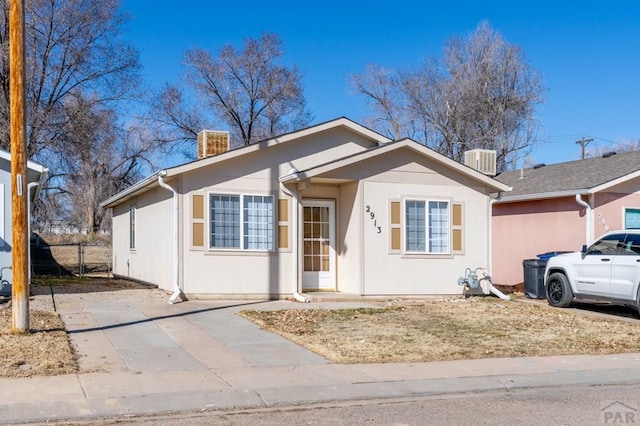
<point x="152" y="181"/>
<point x="586" y="176"/>
<point x="392" y="146"/>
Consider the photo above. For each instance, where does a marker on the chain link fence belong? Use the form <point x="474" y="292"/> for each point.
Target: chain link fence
<point x="70" y="259"/>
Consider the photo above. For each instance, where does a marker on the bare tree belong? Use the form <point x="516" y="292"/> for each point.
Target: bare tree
<point x="384" y="95"/>
<point x="97" y="159"/>
<point x="76" y="58"/>
<point x="623" y="146"/>
<point x="480" y="94"/>
<point x="248" y="90"/>
<point x="70" y="45"/>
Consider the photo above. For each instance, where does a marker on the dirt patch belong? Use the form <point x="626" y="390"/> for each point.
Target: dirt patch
<point x="44" y="351"/>
<point x="448" y="330"/>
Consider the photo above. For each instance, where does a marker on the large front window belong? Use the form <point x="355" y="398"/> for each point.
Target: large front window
<point x="427" y="226"/>
<point x="249" y="227"/>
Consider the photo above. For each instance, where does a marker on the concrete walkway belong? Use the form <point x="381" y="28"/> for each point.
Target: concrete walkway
<point x="153" y="358"/>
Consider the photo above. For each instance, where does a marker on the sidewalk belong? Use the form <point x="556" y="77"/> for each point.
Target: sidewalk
<point x="201" y="356"/>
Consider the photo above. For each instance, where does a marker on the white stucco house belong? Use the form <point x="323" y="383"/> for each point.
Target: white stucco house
<point x="334" y="207"/>
<point x="36" y="175"/>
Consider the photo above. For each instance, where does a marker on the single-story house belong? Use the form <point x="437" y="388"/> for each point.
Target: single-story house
<point x="562" y="206"/>
<point x="334" y="207"/>
<point x="36" y="175"/>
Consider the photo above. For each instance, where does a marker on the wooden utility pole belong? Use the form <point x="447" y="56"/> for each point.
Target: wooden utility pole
<point x="19" y="216"/>
<point x="583" y="143"/>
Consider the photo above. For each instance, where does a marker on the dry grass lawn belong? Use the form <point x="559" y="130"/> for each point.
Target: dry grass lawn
<point x="44" y="351"/>
<point x="448" y="330"/>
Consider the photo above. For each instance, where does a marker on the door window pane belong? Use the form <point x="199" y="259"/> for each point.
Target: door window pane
<point x="316" y="238"/>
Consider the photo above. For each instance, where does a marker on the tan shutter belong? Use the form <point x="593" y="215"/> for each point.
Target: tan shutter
<point x="395" y="226"/>
<point x="283" y="224"/>
<point x="197" y="221"/>
<point x="457" y="228"/>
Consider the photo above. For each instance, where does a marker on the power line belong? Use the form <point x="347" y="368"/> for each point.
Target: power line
<point x="583" y="143"/>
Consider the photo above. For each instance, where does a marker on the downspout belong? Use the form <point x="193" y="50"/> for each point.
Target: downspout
<point x="492" y="289"/>
<point x="294" y="244"/>
<point x="589" y="218"/>
<point x="176" y="296"/>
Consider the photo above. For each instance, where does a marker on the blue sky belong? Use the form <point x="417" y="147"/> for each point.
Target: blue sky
<point x="588" y="53"/>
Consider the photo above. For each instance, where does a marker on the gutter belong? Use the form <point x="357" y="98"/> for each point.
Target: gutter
<point x="538" y="196"/>
<point x="293" y="175"/>
<point x="589" y="217"/>
<point x="177" y="292"/>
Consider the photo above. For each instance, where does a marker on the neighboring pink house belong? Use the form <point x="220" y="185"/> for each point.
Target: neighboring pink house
<point x="560" y="207"/>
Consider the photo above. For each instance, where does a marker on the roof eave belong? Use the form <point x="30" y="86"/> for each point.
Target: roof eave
<point x="612" y="183"/>
<point x="410" y="144"/>
<point x="122" y="195"/>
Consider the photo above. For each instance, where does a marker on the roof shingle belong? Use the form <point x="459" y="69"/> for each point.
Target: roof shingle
<point x="572" y="176"/>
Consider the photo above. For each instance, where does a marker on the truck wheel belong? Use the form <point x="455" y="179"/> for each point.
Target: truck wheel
<point x="559" y="292"/>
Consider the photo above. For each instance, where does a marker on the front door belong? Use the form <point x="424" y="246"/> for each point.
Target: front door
<point x="318" y="245"/>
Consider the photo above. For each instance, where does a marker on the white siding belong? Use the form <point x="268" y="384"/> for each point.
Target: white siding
<point x="401" y="274"/>
<point x="152" y="259"/>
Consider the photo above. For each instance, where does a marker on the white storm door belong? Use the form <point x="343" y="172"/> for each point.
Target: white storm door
<point x="318" y="242"/>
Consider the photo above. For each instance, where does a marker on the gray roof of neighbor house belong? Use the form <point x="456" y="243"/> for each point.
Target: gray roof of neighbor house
<point x="586" y="176"/>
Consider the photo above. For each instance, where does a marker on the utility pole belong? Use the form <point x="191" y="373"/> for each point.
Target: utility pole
<point x="583" y="144"/>
<point x="20" y="262"/>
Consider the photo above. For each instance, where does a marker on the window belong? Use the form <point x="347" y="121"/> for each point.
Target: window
<point x="607" y="245"/>
<point x="631" y="218"/>
<point x="249" y="227"/>
<point x="132" y="228"/>
<point x="427" y="226"/>
<point x="632" y="245"/>
<point x="258" y="222"/>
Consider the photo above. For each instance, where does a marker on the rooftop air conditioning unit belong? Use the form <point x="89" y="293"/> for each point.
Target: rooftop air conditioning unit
<point x="212" y="142"/>
<point x="482" y="160"/>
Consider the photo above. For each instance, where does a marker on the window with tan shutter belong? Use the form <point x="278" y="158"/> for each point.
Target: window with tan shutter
<point x="197" y="221"/>
<point x="283" y="224"/>
<point x="395" y="238"/>
<point x="457" y="227"/>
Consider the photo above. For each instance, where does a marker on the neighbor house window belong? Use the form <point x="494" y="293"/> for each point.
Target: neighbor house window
<point x="631" y="218"/>
<point x="242" y="222"/>
<point x="132" y="228"/>
<point x="427" y="227"/>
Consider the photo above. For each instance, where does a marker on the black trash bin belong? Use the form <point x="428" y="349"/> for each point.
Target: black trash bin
<point x="534" y="278"/>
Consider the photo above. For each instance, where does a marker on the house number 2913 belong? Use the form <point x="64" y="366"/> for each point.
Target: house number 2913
<point x="372" y="216"/>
